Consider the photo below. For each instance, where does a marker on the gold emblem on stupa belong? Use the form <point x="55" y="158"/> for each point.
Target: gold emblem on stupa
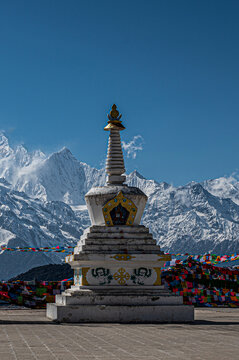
<point x="114" y="119"/>
<point x="119" y="211"/>
<point x="114" y="112"/>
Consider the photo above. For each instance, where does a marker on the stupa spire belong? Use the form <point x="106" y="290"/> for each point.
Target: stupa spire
<point x="115" y="160"/>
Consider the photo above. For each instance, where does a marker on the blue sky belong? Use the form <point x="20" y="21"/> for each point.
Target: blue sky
<point x="172" y="67"/>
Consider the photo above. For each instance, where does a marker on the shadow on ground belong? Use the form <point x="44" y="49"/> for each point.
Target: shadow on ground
<point x="49" y="322"/>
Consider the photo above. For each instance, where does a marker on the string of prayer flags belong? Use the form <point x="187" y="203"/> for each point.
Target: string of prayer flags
<point x="39" y="249"/>
<point x="206" y="258"/>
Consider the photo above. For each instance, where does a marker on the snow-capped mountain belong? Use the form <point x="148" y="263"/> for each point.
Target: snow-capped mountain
<point x="190" y="219"/>
<point x="42" y="204"/>
<point x="30" y="222"/>
<point x="59" y="177"/>
<point x="225" y="187"/>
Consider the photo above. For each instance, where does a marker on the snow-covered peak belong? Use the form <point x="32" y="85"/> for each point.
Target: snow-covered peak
<point x="22" y="157"/>
<point x="63" y="178"/>
<point x="59" y="177"/>
<point x="224" y="187"/>
<point x="64" y="153"/>
<point x="150" y="187"/>
<point x="38" y="154"/>
<point x="94" y="177"/>
<point x="136" y="174"/>
<point x="17" y="163"/>
<point x="5" y="149"/>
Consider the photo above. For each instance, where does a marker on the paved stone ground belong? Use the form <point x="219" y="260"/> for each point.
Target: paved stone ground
<point x="27" y="334"/>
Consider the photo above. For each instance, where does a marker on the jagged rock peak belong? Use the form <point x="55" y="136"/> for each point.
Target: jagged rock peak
<point x="63" y="153"/>
<point x="136" y="173"/>
<point x="5" y="149"/>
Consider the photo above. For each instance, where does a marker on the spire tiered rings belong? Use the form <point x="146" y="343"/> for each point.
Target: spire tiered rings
<point x="115" y="160"/>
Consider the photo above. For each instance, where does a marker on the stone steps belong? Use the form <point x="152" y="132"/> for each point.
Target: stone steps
<point x="99" y="251"/>
<point x="113" y="241"/>
<point x="118" y="229"/>
<point x="116" y="236"/>
<point x="118" y="298"/>
<point x="117" y="240"/>
<point x="118" y="248"/>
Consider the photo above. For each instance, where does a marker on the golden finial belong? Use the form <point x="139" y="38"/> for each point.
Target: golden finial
<point x="114" y="119"/>
<point x="114" y="112"/>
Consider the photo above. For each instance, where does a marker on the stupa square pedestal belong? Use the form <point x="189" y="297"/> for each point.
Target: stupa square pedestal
<point x="120" y="287"/>
<point x="117" y="263"/>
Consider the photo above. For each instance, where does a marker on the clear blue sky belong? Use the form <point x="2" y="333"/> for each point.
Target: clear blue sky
<point x="172" y="67"/>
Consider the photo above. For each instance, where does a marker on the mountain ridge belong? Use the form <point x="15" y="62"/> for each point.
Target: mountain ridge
<point x="42" y="203"/>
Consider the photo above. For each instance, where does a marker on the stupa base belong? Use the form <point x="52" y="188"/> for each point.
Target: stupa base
<point x="114" y="305"/>
<point x="120" y="313"/>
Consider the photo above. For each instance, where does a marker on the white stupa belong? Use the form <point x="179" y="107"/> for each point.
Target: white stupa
<point x="117" y="263"/>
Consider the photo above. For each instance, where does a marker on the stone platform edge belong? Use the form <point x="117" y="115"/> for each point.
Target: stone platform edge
<point x="120" y="313"/>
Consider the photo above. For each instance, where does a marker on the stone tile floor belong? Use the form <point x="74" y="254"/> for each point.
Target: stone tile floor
<point x="27" y="334"/>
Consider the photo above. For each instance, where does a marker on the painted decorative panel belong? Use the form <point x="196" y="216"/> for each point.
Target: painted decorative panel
<point x="120" y="276"/>
<point x="77" y="275"/>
